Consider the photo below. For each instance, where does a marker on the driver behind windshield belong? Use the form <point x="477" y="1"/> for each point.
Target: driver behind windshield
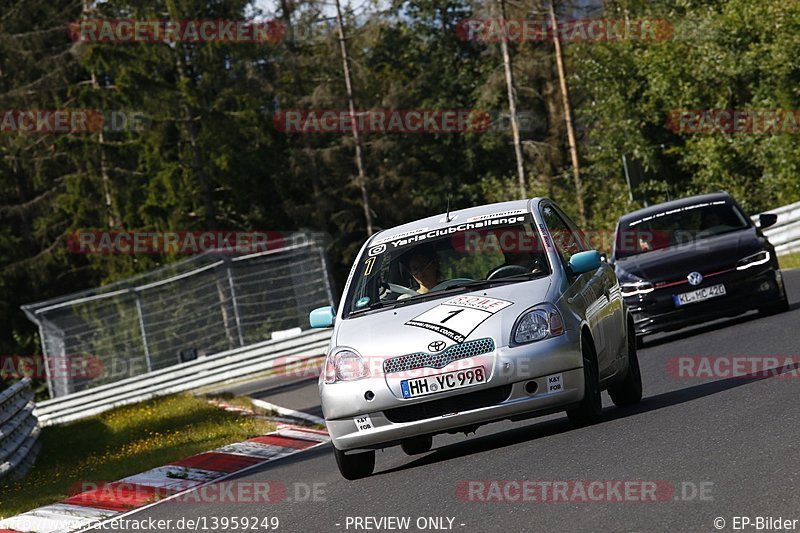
<point x="423" y="264"/>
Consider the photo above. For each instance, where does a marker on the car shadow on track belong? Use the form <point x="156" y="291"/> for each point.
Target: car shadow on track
<point x="711" y="326"/>
<point x="562" y="425"/>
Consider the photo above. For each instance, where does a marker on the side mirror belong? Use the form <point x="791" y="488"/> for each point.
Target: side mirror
<point x="585" y="262"/>
<point x="766" y="220"/>
<point x="322" y="317"/>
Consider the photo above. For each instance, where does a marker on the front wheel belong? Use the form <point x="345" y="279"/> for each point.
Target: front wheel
<point x="629" y="390"/>
<point x="355" y="465"/>
<point x="781" y="306"/>
<point x="590" y="409"/>
<point x="773" y="309"/>
<point x="417" y="445"/>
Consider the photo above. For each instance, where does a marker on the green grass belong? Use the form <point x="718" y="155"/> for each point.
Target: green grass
<point x="789" y="261"/>
<point x="123" y="442"/>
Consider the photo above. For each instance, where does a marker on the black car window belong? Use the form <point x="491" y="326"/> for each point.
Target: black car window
<point x="694" y="222"/>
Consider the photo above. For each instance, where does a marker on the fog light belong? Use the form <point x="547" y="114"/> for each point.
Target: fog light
<point x="531" y="387"/>
<point x="764" y="287"/>
<point x="369" y="395"/>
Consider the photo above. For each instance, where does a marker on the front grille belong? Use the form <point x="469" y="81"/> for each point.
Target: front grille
<point x="684" y="281"/>
<point x="446" y="406"/>
<point x="412" y="361"/>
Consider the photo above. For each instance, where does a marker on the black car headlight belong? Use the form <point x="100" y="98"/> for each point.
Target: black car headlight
<point x="634" y="288"/>
<point x="631" y="285"/>
<point x="753" y="260"/>
<point x="540" y="322"/>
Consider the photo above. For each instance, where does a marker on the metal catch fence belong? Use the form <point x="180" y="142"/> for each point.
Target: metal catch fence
<point x="187" y="310"/>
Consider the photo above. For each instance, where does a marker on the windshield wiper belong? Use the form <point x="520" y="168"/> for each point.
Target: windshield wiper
<point x="377" y="305"/>
<point x="487" y="282"/>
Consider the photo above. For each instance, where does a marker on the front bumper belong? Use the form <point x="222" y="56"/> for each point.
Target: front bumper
<point x="503" y="396"/>
<point x="657" y="312"/>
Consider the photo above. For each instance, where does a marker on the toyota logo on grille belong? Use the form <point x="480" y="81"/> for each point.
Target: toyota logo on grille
<point x="436" y="346"/>
<point x="695" y="278"/>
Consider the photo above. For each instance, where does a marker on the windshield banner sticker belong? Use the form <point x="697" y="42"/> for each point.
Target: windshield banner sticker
<point x="413" y="237"/>
<point x="457" y="318"/>
<point x="497" y="215"/>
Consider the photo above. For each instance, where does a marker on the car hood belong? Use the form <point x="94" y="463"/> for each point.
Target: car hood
<point x="709" y="255"/>
<point x="386" y="333"/>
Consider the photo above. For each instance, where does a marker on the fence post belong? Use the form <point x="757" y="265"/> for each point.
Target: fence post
<point x="233" y="301"/>
<point x="46" y="365"/>
<point x="325" y="270"/>
<point x="142" y="330"/>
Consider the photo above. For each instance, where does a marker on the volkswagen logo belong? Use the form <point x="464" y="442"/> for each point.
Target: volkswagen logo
<point x="695" y="278"/>
<point x="437" y="346"/>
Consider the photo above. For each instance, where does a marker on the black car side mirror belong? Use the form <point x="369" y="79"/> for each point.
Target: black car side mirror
<point x="766" y="220"/>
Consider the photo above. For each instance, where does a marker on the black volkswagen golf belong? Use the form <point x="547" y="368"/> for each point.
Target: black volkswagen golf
<point x="695" y="259"/>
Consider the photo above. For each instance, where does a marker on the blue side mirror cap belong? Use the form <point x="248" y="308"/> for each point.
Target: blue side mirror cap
<point x="585" y="262"/>
<point x="322" y="317"/>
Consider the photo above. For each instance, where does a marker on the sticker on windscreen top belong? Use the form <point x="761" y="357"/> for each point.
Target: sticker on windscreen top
<point x="363" y="423"/>
<point x="458" y="317"/>
<point x="555" y="383"/>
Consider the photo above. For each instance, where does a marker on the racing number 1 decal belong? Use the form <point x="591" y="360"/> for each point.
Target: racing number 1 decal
<point x="369" y="263"/>
<point x="452" y="314"/>
<point x="458" y="317"/>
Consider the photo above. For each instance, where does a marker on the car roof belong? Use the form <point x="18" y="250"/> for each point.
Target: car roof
<point x="438" y="221"/>
<point x="675" y="204"/>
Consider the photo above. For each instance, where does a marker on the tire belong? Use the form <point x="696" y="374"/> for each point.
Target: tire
<point x="356" y="465"/>
<point x="776" y="308"/>
<point x="629" y="390"/>
<point x="590" y="409"/>
<point x="417" y="445"/>
<point x="781" y="306"/>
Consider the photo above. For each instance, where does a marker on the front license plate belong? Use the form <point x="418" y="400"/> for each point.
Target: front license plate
<point x="443" y="382"/>
<point x="699" y="295"/>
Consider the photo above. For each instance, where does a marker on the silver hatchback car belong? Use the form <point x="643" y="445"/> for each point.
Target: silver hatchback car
<point x="465" y="318"/>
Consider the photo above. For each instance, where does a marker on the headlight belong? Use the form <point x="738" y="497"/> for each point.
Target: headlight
<point x="634" y="288"/>
<point x="539" y="323"/>
<point x="345" y="365"/>
<point x="631" y="285"/>
<point x="753" y="260"/>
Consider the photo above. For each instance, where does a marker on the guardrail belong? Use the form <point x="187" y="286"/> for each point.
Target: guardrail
<point x="785" y="234"/>
<point x="19" y="430"/>
<point x="215" y="369"/>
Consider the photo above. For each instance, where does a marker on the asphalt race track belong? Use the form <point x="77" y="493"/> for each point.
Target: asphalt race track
<point x="728" y="446"/>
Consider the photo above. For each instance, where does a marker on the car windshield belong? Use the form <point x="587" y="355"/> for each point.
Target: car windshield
<point x="405" y="268"/>
<point x="677" y="226"/>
